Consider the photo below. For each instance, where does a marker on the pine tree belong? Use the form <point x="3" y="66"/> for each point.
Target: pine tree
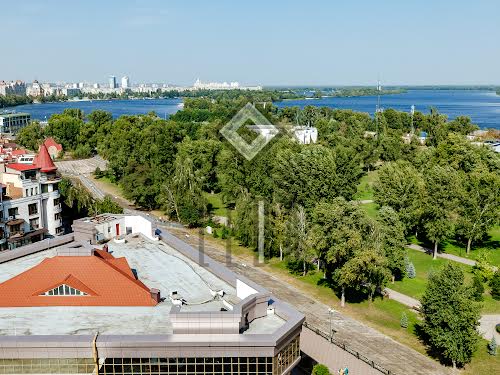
<point x="411" y="273"/>
<point x="495" y="286"/>
<point x="492" y="346"/>
<point x="477" y="288"/>
<point x="450" y="315"/>
<point x="404" y="320"/>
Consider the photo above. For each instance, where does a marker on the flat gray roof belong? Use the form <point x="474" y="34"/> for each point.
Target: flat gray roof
<point x="158" y="266"/>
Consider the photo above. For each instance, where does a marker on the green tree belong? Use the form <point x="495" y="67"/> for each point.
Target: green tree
<point x="65" y="129"/>
<point x="183" y="195"/>
<point x="399" y="185"/>
<point x="394" y="241"/>
<point x="477" y="288"/>
<point x="492" y="346"/>
<point x="441" y="204"/>
<point x="366" y="271"/>
<point x="495" y="286"/>
<point x="279" y="222"/>
<point x="403" y="322"/>
<point x="450" y="315"/>
<point x="31" y="136"/>
<point x="299" y="244"/>
<point x="479" y="206"/>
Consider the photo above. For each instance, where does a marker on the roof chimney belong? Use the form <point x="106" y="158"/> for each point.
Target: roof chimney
<point x="155" y="294"/>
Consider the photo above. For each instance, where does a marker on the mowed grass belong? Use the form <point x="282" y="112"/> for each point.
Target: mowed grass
<point x="371" y="209"/>
<point x="491" y="246"/>
<point x="218" y="208"/>
<point x="424" y="265"/>
<point x="365" y="187"/>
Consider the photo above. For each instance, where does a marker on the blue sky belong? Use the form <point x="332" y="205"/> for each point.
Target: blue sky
<point x="255" y="42"/>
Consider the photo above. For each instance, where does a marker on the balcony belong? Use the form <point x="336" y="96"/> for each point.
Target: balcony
<point x="50" y="178"/>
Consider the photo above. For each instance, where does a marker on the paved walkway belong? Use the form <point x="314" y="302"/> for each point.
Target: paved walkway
<point x="455" y="258"/>
<point x="487" y="326"/>
<point x="403" y="298"/>
<point x="399" y="359"/>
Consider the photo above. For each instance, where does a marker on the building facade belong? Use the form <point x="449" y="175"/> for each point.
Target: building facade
<point x="13" y="122"/>
<point x="30" y="207"/>
<point x="12" y="88"/>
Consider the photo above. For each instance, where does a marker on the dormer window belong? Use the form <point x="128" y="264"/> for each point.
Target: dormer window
<point x="64" y="290"/>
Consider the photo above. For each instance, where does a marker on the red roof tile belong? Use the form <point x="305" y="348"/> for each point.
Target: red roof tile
<point x="51" y="142"/>
<point x="107" y="282"/>
<point x="19" y="152"/>
<point x="22" y="167"/>
<point x="44" y="161"/>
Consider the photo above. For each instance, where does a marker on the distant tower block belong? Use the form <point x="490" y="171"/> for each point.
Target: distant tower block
<point x="125" y="82"/>
<point x="112" y="82"/>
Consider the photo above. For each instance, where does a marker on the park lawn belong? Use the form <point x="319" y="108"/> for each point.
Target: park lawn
<point x="371" y="209"/>
<point x="482" y="362"/>
<point x="424" y="264"/>
<point x="491" y="247"/>
<point x="383" y="315"/>
<point x="218" y="207"/>
<point x="365" y="187"/>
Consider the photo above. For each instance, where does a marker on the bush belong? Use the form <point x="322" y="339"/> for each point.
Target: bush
<point x="98" y="173"/>
<point x="82" y="152"/>
<point x="497" y="327"/>
<point x="225" y="233"/>
<point x="410" y="270"/>
<point x="404" y="320"/>
<point x="477" y="288"/>
<point x="495" y="286"/>
<point x="320" y="370"/>
<point x="214" y="233"/>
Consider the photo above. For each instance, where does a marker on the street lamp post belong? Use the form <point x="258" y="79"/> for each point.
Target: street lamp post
<point x="330" y="313"/>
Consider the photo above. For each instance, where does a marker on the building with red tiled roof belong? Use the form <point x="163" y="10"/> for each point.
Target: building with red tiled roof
<point x="30" y="203"/>
<point x="98" y="279"/>
<point x="53" y="147"/>
<point x="43" y="161"/>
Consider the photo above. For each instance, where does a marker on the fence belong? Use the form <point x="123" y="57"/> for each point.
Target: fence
<point x="349" y="350"/>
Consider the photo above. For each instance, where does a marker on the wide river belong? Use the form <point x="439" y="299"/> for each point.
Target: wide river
<point x="482" y="106"/>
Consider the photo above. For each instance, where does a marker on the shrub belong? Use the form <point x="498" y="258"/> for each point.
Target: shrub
<point x="477" y="288"/>
<point x="320" y="370"/>
<point x="98" y="173"/>
<point x="492" y="346"/>
<point x="214" y="233"/>
<point x="410" y="270"/>
<point x="404" y="320"/>
<point x="497" y="327"/>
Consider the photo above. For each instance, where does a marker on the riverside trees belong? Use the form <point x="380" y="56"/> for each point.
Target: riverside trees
<point x="427" y="190"/>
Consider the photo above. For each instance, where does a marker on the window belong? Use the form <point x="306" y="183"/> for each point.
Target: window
<point x="13" y="211"/>
<point x="34" y="224"/>
<point x="59" y="230"/>
<point x="26" y="192"/>
<point x="15" y="228"/>
<point x="57" y="216"/>
<point x="56" y="202"/>
<point x="64" y="290"/>
<point x="33" y="208"/>
<point x="36" y="190"/>
<point x="45" y="188"/>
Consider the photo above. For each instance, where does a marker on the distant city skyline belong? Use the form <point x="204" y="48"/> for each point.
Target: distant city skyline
<point x="278" y="43"/>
